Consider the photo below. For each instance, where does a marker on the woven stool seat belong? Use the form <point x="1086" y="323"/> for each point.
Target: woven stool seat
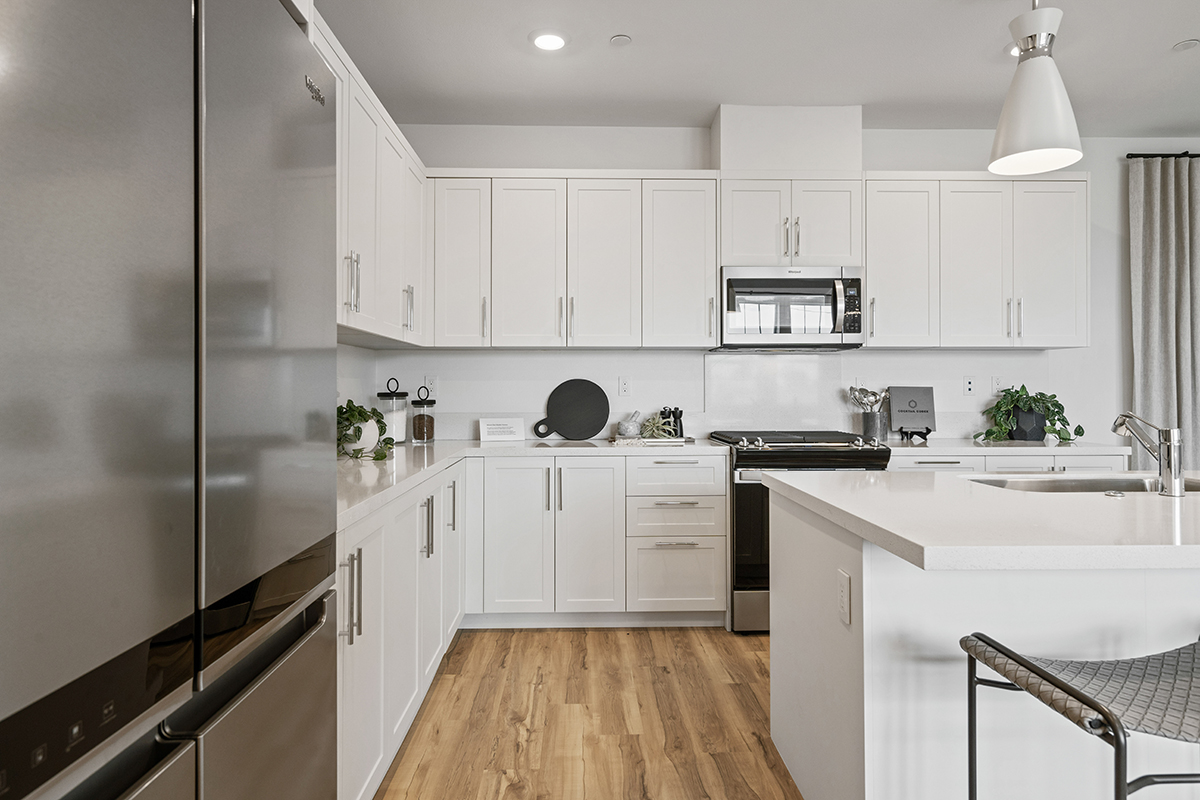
<point x="1157" y="694"/>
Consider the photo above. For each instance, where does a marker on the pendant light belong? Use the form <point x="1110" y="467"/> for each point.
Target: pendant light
<point x="1037" y="130"/>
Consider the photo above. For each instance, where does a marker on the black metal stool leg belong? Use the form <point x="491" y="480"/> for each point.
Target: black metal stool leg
<point x="971" y="776"/>
<point x="1120" y="766"/>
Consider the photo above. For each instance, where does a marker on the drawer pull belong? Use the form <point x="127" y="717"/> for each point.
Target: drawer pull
<point x="939" y="462"/>
<point x="676" y="502"/>
<point x="676" y="544"/>
<point x="693" y="461"/>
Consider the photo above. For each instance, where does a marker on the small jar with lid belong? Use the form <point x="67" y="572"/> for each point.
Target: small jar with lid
<point x="422" y="420"/>
<point x="395" y="411"/>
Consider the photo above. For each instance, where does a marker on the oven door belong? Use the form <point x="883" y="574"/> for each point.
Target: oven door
<point x="789" y="306"/>
<point x="751" y="541"/>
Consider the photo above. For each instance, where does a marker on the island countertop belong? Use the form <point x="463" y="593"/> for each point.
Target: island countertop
<point x="946" y="521"/>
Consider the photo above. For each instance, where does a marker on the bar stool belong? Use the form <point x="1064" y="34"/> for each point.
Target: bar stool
<point x="1158" y="695"/>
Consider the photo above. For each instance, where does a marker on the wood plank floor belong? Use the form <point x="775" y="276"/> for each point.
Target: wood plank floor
<point x="602" y="714"/>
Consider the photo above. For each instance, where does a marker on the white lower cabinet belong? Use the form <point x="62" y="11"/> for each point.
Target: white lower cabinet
<point x="1018" y="461"/>
<point x="1038" y="463"/>
<point x="928" y="462"/>
<point x="398" y="598"/>
<point x="1088" y="463"/>
<point x="680" y="573"/>
<point x="589" y="534"/>
<point x="518" y="544"/>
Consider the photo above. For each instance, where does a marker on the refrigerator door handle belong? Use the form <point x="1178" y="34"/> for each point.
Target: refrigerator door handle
<point x="349" y="632"/>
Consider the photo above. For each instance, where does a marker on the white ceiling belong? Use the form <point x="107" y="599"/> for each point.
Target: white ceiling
<point x="916" y="64"/>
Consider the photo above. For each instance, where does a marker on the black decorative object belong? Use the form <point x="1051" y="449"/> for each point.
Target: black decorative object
<point x="577" y="409"/>
<point x="1031" y="426"/>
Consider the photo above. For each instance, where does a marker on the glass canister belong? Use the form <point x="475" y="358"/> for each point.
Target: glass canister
<point x="422" y="421"/>
<point x="395" y="411"/>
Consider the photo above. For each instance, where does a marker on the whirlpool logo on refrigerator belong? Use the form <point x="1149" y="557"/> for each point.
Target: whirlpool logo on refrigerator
<point x="314" y="89"/>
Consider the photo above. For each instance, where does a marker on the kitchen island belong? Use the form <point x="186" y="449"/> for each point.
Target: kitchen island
<point x="868" y="686"/>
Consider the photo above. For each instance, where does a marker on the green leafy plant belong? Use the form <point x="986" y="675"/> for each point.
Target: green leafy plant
<point x="1012" y="400"/>
<point x="350" y="419"/>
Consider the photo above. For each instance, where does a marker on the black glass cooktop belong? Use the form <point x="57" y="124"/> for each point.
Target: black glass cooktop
<point x="784" y="438"/>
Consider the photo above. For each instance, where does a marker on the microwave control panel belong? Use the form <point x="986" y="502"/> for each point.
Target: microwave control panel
<point x="852" y="323"/>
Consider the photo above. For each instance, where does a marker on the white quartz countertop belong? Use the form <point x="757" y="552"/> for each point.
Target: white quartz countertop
<point x="976" y="447"/>
<point x="364" y="486"/>
<point x="945" y="521"/>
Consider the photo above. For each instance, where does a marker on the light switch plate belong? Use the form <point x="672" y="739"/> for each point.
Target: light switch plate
<point x="844" y="596"/>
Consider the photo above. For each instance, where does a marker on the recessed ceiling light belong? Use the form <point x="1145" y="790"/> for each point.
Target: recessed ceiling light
<point x="620" y="39"/>
<point x="548" y="41"/>
<point x="1186" y="44"/>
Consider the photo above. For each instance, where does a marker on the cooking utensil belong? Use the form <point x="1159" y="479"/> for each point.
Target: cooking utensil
<point x="576" y="409"/>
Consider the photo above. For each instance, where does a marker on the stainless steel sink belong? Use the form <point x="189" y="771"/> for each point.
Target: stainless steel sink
<point x="1092" y="483"/>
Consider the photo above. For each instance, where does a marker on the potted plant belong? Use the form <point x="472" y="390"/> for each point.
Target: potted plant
<point x="1017" y="414"/>
<point x="357" y="437"/>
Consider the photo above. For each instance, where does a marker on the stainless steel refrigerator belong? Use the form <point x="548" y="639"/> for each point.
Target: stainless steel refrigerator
<point x="167" y="389"/>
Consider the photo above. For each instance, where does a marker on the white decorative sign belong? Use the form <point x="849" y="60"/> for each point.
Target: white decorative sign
<point x="502" y="430"/>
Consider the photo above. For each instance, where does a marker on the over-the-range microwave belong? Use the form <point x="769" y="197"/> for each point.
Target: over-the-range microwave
<point x="784" y="308"/>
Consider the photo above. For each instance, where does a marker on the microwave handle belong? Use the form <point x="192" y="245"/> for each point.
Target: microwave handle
<point x="839" y="307"/>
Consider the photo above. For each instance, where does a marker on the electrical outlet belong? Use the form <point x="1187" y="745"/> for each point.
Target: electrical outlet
<point x="999" y="384"/>
<point x="624" y="387"/>
<point x="968" y="385"/>
<point x="431" y="383"/>
<point x="844" y="596"/>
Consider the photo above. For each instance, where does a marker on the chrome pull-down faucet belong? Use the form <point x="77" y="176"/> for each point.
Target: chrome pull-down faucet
<point x="1168" y="452"/>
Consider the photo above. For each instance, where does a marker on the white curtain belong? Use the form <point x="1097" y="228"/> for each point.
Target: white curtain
<point x="1164" y="267"/>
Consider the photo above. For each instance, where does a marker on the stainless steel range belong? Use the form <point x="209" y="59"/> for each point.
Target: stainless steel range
<point x="753" y="453"/>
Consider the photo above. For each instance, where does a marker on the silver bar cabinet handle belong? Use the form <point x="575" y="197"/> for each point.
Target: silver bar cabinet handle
<point x="429" y="524"/>
<point x="454" y="505"/>
<point x="796" y="226"/>
<point x="350" y="276"/>
<point x="357" y="281"/>
<point x="349" y="632"/>
<point x="1008" y="318"/>
<point x="676" y="502"/>
<point x="872" y="317"/>
<point x="560" y="508"/>
<point x="692" y="461"/>
<point x="1020" y="317"/>
<point x="549" y="491"/>
<point x="939" y="462"/>
<point x="485" y="318"/>
<point x="676" y="544"/>
<point x="412" y="307"/>
<point x="358" y="591"/>
<point x="712" y="315"/>
<point x="571" y="317"/>
<point x="787" y="236"/>
<point x="560" y="317"/>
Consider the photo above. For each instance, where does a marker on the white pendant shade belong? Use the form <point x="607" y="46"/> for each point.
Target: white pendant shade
<point x="1037" y="131"/>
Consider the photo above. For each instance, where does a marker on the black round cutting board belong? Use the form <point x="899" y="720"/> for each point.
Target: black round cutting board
<point x="577" y="409"/>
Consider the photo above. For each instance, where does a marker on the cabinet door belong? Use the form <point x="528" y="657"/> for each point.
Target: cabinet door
<point x="383" y="289"/>
<point x="1050" y="263"/>
<point x="1021" y="463"/>
<point x="529" y="262"/>
<point x="429" y="584"/>
<point x="518" y="560"/>
<point x="453" y="521"/>
<point x="827" y="223"/>
<point x="935" y="463"/>
<point x="977" y="298"/>
<point x="416" y="285"/>
<point x="604" y="263"/>
<point x="462" y="255"/>
<point x="676" y="574"/>
<point x="341" y="79"/>
<point x="589" y="539"/>
<point x="362" y="197"/>
<point x="401" y="551"/>
<point x="360" y="709"/>
<point x="679" y="263"/>
<point x="756" y="218"/>
<point x="903" y="264"/>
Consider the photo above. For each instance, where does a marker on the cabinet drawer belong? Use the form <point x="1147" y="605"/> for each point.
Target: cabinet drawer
<point x="1044" y="463"/>
<point x="676" y="516"/>
<point x="675" y="573"/>
<point x="931" y="463"/>
<point x="1086" y="463"/>
<point x="675" y="475"/>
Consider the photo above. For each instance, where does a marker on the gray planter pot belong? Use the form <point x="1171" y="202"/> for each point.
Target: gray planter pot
<point x="1031" y="426"/>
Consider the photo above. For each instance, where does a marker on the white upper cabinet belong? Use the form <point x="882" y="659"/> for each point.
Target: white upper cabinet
<point x="341" y="76"/>
<point x="529" y="262"/>
<point x="385" y="294"/>
<point x="362" y="197"/>
<point x="462" y="256"/>
<point x="604" y="263"/>
<point x="903" y="264"/>
<point x="827" y="223"/>
<point x="679" y="263"/>
<point x="791" y="223"/>
<point x="756" y="220"/>
<point x="977" y="260"/>
<point x="416" y="270"/>
<point x="1050" y="275"/>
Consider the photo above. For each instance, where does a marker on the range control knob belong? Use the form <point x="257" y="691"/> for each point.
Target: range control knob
<point x="874" y="441"/>
<point x="760" y="444"/>
<point x="859" y="443"/>
<point x="743" y="442"/>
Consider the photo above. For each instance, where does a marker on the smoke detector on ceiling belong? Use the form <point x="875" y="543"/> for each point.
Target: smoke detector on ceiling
<point x="1186" y="44"/>
<point x="620" y="40"/>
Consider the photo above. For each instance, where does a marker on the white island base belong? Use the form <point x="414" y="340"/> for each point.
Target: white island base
<point x="876" y="709"/>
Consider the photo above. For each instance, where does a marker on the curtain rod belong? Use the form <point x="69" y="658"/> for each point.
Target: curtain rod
<point x="1184" y="154"/>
